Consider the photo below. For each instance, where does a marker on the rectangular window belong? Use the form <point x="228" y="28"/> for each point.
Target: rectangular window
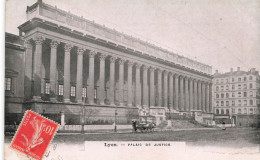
<point x="245" y="94"/>
<point x="245" y="102"/>
<point x="233" y="103"/>
<point x="251" y="85"/>
<point x="47" y="88"/>
<point x="244" y="78"/>
<point x="72" y="91"/>
<point x="245" y="86"/>
<point x="95" y="93"/>
<point x="60" y="89"/>
<point x="251" y="102"/>
<point x="84" y="92"/>
<point x="233" y="110"/>
<point x="233" y="94"/>
<point x="239" y="94"/>
<point x="233" y="87"/>
<point x="8" y="83"/>
<point x="245" y="111"/>
<point x="227" y="103"/>
<point x="239" y="86"/>
<point x="233" y="79"/>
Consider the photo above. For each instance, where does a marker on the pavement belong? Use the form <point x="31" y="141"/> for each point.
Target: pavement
<point x="130" y="131"/>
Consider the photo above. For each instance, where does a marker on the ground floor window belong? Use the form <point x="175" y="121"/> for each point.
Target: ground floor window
<point x="47" y="88"/>
<point x="60" y="89"/>
<point x="72" y="91"/>
<point x="8" y="84"/>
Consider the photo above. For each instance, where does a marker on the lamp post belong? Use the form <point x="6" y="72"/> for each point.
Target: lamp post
<point x="115" y="128"/>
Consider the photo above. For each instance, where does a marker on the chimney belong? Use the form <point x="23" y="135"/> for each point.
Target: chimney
<point x="238" y="68"/>
<point x="231" y="69"/>
<point x="216" y="71"/>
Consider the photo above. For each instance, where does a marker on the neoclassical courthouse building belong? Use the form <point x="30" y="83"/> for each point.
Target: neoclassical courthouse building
<point x="61" y="63"/>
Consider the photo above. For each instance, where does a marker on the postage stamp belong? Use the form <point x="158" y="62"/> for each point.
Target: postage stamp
<point x="34" y="135"/>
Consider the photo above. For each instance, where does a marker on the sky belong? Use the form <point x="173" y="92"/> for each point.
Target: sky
<point x="221" y="33"/>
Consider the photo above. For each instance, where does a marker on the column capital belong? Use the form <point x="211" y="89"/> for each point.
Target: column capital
<point x="80" y="51"/>
<point x="130" y="63"/>
<point x="151" y="69"/>
<point x="170" y="73"/>
<point x="92" y="53"/>
<point x="68" y="47"/>
<point x="176" y="75"/>
<point x="159" y="70"/>
<point x="137" y="65"/>
<point x="102" y="56"/>
<point x="121" y="61"/>
<point x="145" y="67"/>
<point x="38" y="39"/>
<point x="112" y="59"/>
<point x="28" y="43"/>
<point x="165" y="72"/>
<point x="54" y="44"/>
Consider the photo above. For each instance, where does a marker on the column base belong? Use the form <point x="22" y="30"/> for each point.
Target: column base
<point x="66" y="100"/>
<point x="53" y="99"/>
<point x="37" y="98"/>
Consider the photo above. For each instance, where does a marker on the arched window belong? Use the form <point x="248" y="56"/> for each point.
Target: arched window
<point x="222" y="95"/>
<point x="245" y="110"/>
<point x="251" y="102"/>
<point x="251" y="111"/>
<point x="250" y="78"/>
<point x="217" y="103"/>
<point x="222" y="111"/>
<point x="227" y="103"/>
<point x="239" y="111"/>
<point x="217" y="111"/>
<point x="227" y="111"/>
<point x="217" y="88"/>
<point x="227" y="87"/>
<point x="222" y="103"/>
<point x="250" y="85"/>
<point x="251" y="94"/>
<point x="217" y="95"/>
<point x="227" y="95"/>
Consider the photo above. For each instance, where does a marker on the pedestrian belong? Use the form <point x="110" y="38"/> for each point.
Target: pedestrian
<point x="223" y="126"/>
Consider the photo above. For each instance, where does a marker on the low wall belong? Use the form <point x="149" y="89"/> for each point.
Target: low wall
<point x="93" y="127"/>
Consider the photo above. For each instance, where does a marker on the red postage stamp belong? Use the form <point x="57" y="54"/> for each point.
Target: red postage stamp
<point x="34" y="135"/>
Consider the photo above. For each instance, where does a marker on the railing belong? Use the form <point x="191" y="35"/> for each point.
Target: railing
<point x="110" y="35"/>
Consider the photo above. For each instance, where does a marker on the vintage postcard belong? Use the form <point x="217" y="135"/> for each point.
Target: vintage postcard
<point x="132" y="79"/>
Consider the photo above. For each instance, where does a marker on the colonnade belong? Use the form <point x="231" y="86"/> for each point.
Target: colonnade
<point x="147" y="85"/>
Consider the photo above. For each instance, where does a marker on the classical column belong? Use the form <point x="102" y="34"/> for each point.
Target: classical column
<point x="91" y="88"/>
<point x="181" y="107"/>
<point x="176" y="92"/>
<point x="66" y="95"/>
<point x="199" y="96"/>
<point x="191" y="94"/>
<point x="165" y="89"/>
<point x="101" y="89"/>
<point x="80" y="52"/>
<point x="152" y="98"/>
<point x="112" y="81"/>
<point x="145" y="89"/>
<point x="129" y="83"/>
<point x="195" y="95"/>
<point x="210" y="98"/>
<point x="121" y="81"/>
<point x="186" y="99"/>
<point x="37" y="67"/>
<point x="203" y="96"/>
<point x="28" y="70"/>
<point x="138" y="86"/>
<point x="207" y="97"/>
<point x="170" y="91"/>
<point x="53" y="68"/>
<point x="159" y="85"/>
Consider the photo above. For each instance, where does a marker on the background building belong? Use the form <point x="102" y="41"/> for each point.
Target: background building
<point x="237" y="96"/>
<point x="67" y="67"/>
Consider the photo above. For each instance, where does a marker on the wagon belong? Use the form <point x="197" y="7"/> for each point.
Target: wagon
<point x="144" y="124"/>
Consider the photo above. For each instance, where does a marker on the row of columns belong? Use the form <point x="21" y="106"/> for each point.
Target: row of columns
<point x="179" y="92"/>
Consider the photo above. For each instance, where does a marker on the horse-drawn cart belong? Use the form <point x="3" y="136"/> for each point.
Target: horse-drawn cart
<point x="144" y="124"/>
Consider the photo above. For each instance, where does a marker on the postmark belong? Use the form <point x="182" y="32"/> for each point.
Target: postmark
<point x="34" y="135"/>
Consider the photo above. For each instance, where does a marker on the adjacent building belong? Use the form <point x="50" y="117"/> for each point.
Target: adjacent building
<point x="66" y="67"/>
<point x="236" y="96"/>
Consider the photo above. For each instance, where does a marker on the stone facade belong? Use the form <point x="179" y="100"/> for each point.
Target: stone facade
<point x="237" y="95"/>
<point x="72" y="64"/>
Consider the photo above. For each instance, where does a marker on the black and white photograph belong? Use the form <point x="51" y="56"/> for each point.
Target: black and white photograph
<point x="131" y="79"/>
